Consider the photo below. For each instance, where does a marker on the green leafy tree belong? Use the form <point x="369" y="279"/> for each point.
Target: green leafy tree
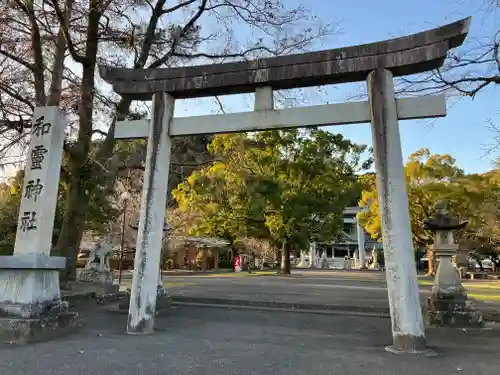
<point x="10" y="195"/>
<point x="431" y="178"/>
<point x="287" y="186"/>
<point x="220" y="200"/>
<point x="482" y="235"/>
<point x="428" y="179"/>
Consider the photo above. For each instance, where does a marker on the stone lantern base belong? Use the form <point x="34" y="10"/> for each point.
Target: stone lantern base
<point x="99" y="281"/>
<point x="448" y="305"/>
<point x="452" y="308"/>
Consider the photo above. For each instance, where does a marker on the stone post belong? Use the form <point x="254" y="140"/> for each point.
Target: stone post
<point x="181" y="253"/>
<point x="215" y="253"/>
<point x="462" y="262"/>
<point x="302" y="263"/>
<point x="448" y="305"/>
<point x="361" y="244"/>
<point x="191" y="258"/>
<point x="204" y="259"/>
<point x="406" y="315"/>
<point x="145" y="281"/>
<point x="30" y="301"/>
<point x="312" y="255"/>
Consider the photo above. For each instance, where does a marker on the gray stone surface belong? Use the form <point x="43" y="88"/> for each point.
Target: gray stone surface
<point x="33" y="309"/>
<point x="191" y="341"/>
<point x="32" y="261"/>
<point x="453" y="309"/>
<point x="97" y="288"/>
<point x="28" y="293"/>
<point x="42" y="328"/>
<point x="407" y="55"/>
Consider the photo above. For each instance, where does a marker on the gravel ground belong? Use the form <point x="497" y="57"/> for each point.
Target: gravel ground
<point x="218" y="341"/>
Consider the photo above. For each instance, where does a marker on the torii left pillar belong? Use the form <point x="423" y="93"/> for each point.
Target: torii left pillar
<point x="144" y="292"/>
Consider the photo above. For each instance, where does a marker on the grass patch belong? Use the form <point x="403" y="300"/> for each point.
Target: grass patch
<point x="493" y="285"/>
<point x="166" y="284"/>
<point x="468" y="284"/>
<point x="263" y="273"/>
<point x="424" y="282"/>
<point x="485" y="297"/>
<point x="169" y="284"/>
<point x="474" y="286"/>
<point x="241" y="274"/>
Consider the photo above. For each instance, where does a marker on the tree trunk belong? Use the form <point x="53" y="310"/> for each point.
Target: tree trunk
<point x="496" y="263"/>
<point x="72" y="229"/>
<point x="81" y="183"/>
<point x="59" y="58"/>
<point x="278" y="260"/>
<point x="38" y="55"/>
<point x="285" y="268"/>
<point x="430" y="262"/>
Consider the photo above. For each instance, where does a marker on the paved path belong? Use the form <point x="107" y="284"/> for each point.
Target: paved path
<point x="195" y="341"/>
<point x="346" y="291"/>
<point x="340" y="288"/>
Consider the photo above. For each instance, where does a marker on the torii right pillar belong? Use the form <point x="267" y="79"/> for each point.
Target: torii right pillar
<point x="404" y="302"/>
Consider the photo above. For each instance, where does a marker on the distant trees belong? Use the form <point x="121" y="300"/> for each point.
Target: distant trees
<point x="286" y="186"/>
<point x="431" y="178"/>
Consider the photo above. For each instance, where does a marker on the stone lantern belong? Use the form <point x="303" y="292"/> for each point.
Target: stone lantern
<point x="448" y="305"/>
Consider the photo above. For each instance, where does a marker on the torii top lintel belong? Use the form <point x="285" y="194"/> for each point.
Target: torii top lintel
<point x="406" y="55"/>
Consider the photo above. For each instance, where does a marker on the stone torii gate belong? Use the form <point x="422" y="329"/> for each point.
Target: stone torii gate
<point x="377" y="63"/>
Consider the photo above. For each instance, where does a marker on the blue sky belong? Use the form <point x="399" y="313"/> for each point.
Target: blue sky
<point x="464" y="132"/>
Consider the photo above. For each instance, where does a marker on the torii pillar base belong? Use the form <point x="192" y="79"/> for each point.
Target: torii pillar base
<point x="163" y="301"/>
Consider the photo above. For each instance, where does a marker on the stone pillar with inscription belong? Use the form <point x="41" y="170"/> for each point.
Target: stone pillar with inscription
<point x="30" y="301"/>
<point x="312" y="254"/>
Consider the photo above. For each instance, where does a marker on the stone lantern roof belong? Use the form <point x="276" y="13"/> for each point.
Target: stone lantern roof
<point x="442" y="220"/>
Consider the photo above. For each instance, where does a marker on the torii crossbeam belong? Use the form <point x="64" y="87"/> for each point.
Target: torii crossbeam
<point x="377" y="63"/>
